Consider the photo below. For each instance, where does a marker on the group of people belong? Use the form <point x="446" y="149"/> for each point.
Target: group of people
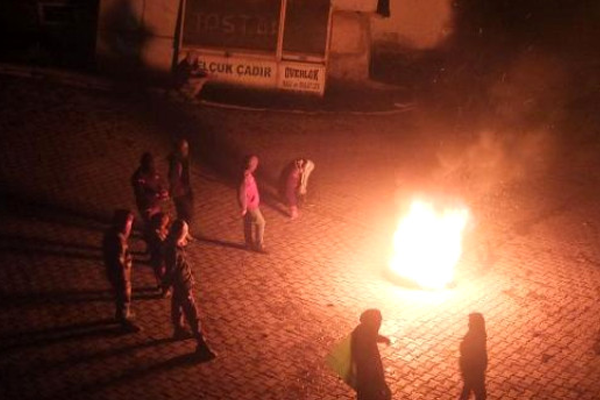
<point x="361" y="367"/>
<point x="165" y="244"/>
<point x="166" y="240"/>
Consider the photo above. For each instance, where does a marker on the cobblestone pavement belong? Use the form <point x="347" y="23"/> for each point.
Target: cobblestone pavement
<point x="67" y="155"/>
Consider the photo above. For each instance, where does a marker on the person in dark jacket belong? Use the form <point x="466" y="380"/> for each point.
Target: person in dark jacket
<point x="118" y="262"/>
<point x="156" y="240"/>
<point x="180" y="278"/>
<point x="189" y="77"/>
<point x="366" y="360"/>
<point x="148" y="188"/>
<point x="180" y="181"/>
<point x="473" y="358"/>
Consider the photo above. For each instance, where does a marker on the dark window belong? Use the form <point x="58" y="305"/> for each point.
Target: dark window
<point x="305" y="29"/>
<point x="232" y="24"/>
<point x="383" y="8"/>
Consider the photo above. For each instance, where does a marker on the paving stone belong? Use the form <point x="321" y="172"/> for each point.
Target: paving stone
<point x="67" y="155"/>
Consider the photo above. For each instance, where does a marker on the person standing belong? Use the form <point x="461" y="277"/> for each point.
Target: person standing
<point x="366" y="361"/>
<point x="473" y="358"/>
<point x="157" y="235"/>
<point x="180" y="278"/>
<point x="249" y="199"/>
<point x="180" y="181"/>
<point x="148" y="189"/>
<point x="296" y="184"/>
<point x="118" y="262"/>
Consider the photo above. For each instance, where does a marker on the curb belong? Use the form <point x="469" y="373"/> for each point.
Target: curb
<point x="86" y="81"/>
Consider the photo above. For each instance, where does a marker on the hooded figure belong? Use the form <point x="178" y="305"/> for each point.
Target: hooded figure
<point x="366" y="360"/>
<point x="473" y="358"/>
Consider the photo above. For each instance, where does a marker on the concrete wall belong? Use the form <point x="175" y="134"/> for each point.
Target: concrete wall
<point x="414" y="24"/>
<point x="367" y="6"/>
<point x="349" y="52"/>
<point x="136" y="33"/>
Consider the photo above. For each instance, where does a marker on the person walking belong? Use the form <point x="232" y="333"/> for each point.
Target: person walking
<point x="473" y="358"/>
<point x="180" y="181"/>
<point x="118" y="262"/>
<point x="369" y="377"/>
<point x="180" y="278"/>
<point x="249" y="199"/>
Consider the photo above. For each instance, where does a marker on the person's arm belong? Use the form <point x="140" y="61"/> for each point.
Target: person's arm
<point x="242" y="196"/>
<point x="123" y="260"/>
<point x="306" y="171"/>
<point x="383" y="339"/>
<point x="198" y="72"/>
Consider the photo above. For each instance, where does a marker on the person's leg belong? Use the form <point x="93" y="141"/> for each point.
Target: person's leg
<point x="191" y="314"/>
<point x="188" y="304"/>
<point x="176" y="314"/>
<point x="179" y="206"/>
<point x="187" y="90"/>
<point x="121" y="309"/>
<point x="127" y="299"/>
<point x="196" y="86"/>
<point x="248" y="230"/>
<point x="479" y="388"/>
<point x="259" y="223"/>
<point x="188" y="208"/>
<point x="464" y="395"/>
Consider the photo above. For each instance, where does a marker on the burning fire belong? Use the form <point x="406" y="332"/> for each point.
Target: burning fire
<point x="428" y="244"/>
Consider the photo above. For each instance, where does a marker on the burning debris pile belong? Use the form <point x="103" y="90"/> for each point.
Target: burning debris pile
<point x="428" y="244"/>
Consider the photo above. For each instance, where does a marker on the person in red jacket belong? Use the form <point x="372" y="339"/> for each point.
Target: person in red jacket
<point x="249" y="199"/>
<point x="180" y="278"/>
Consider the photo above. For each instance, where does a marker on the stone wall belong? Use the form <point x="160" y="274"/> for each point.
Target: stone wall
<point x="136" y="33"/>
<point x="349" y="52"/>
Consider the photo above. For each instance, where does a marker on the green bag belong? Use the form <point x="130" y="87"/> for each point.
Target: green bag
<point x="340" y="361"/>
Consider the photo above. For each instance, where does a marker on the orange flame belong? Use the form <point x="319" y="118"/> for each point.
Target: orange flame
<point x="428" y="244"/>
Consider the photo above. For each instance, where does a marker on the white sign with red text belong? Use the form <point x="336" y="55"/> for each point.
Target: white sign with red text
<point x="240" y="70"/>
<point x="300" y="77"/>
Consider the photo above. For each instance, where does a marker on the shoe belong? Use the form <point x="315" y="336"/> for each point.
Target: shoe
<point x="261" y="250"/>
<point x="182" y="334"/>
<point x="204" y="353"/>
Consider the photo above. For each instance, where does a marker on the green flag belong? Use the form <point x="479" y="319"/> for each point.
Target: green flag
<point x="340" y="361"/>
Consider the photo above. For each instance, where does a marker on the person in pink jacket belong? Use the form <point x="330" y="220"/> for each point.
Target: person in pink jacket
<point x="249" y="199"/>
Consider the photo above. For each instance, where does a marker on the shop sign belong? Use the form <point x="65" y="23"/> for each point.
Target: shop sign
<point x="241" y="70"/>
<point x="302" y="77"/>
